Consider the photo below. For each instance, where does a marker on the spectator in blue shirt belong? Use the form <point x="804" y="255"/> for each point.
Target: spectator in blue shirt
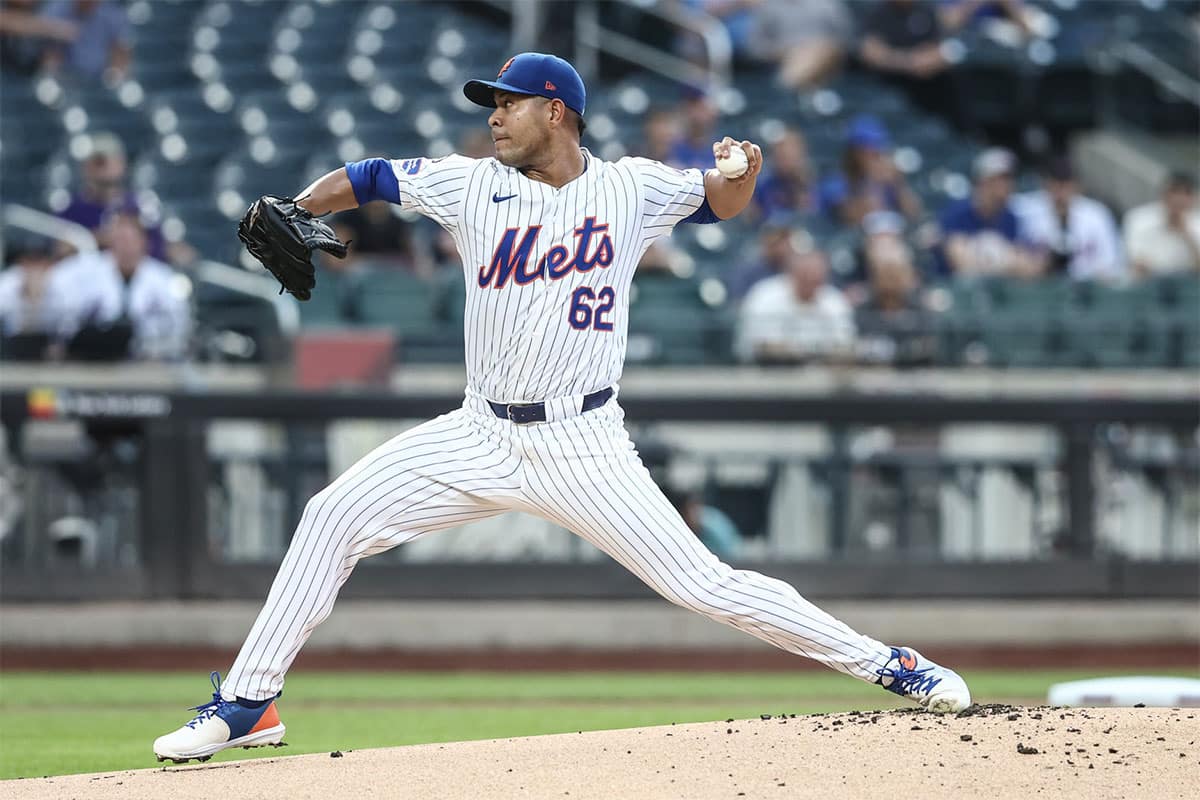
<point x="101" y="47"/>
<point x="956" y="15"/>
<point x="693" y="147"/>
<point x="737" y="16"/>
<point x="786" y="185"/>
<point x="869" y="180"/>
<point x="711" y="525"/>
<point x="981" y="235"/>
<point x="26" y="36"/>
<point x="775" y="249"/>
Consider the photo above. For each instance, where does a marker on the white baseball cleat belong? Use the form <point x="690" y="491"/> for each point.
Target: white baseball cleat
<point x="928" y="684"/>
<point x="219" y="725"/>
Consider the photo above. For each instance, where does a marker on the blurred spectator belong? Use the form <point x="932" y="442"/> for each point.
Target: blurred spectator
<point x="738" y="18"/>
<point x="377" y="235"/>
<point x="878" y="226"/>
<point x="1164" y="236"/>
<point x="693" y="145"/>
<point x="956" y="15"/>
<point x="103" y="189"/>
<point x="343" y="278"/>
<point x="807" y="40"/>
<point x="775" y="249"/>
<point x="893" y="324"/>
<point x="102" y="45"/>
<point x="659" y="134"/>
<point x="712" y="526"/>
<point x="902" y="39"/>
<point x="124" y="289"/>
<point x="869" y="180"/>
<point x="981" y="233"/>
<point x="30" y="311"/>
<point x="1077" y="235"/>
<point x="796" y="316"/>
<point x="786" y="185"/>
<point x="25" y="36"/>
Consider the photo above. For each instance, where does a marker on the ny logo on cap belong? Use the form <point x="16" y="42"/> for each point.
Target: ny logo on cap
<point x="550" y="87"/>
<point x="504" y="69"/>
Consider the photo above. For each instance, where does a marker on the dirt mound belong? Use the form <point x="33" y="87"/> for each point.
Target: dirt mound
<point x="987" y="751"/>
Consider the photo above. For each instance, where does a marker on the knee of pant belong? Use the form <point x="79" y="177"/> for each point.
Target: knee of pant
<point x="708" y="591"/>
<point x="697" y="599"/>
<point x="317" y="505"/>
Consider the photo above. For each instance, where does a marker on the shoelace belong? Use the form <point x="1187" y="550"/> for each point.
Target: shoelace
<point x="910" y="681"/>
<point x="205" y="711"/>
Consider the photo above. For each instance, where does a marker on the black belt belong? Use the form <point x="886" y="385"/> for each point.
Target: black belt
<point x="525" y="413"/>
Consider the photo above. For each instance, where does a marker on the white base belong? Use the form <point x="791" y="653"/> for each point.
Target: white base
<point x="1155" y="691"/>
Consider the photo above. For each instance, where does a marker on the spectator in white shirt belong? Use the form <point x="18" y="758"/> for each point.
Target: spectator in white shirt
<point x="796" y="316"/>
<point x="1164" y="237"/>
<point x="28" y="305"/>
<point x="1077" y="234"/>
<point x="125" y="285"/>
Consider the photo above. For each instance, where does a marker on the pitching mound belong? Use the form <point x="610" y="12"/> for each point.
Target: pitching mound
<point x="988" y="751"/>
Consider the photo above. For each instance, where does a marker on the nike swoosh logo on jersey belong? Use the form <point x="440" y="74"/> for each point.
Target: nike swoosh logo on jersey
<point x="496" y="198"/>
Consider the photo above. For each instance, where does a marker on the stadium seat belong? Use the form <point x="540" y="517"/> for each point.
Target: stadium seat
<point x="1114" y="339"/>
<point x="28" y="130"/>
<point x="1017" y="339"/>
<point x="405" y="303"/>
<point x="1048" y="295"/>
<point x="218" y="309"/>
<point x="1185" y="342"/>
<point x="334" y="303"/>
<point x="670" y="323"/>
<point x="106" y="113"/>
<point x="1177" y="293"/>
<point x="399" y="300"/>
<point x="1067" y="96"/>
<point x="243" y="173"/>
<point x="449" y="304"/>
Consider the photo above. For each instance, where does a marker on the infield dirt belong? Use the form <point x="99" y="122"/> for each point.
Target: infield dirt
<point x="989" y="752"/>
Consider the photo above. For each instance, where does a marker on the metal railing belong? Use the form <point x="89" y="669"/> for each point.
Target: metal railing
<point x="1168" y="77"/>
<point x="166" y="453"/>
<point x="50" y="226"/>
<point x="239" y="280"/>
<point x="592" y="37"/>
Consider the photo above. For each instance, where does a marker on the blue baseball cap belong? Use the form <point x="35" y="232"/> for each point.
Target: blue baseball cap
<point x="532" y="73"/>
<point x="867" y="131"/>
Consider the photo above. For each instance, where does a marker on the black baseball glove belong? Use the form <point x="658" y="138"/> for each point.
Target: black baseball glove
<point x="283" y="236"/>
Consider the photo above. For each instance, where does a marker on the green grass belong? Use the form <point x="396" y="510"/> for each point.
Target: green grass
<point x="60" y="723"/>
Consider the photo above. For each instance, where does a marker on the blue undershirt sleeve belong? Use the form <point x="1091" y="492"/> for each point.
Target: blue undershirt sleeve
<point x="373" y="179"/>
<point x="704" y="215"/>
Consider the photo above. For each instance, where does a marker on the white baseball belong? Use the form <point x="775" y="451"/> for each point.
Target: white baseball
<point x="735" y="165"/>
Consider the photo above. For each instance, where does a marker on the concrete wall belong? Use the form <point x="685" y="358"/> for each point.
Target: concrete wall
<point x="595" y="625"/>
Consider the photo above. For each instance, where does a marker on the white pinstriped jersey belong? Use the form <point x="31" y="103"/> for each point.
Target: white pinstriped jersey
<point x="548" y="271"/>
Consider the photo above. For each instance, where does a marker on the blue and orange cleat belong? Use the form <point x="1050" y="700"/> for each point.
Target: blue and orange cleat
<point x="928" y="684"/>
<point x="220" y="725"/>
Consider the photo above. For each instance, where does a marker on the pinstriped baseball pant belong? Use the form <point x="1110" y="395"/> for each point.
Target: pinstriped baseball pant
<point x="582" y="473"/>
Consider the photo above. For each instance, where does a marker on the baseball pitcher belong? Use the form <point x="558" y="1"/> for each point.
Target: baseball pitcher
<point x="550" y="236"/>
